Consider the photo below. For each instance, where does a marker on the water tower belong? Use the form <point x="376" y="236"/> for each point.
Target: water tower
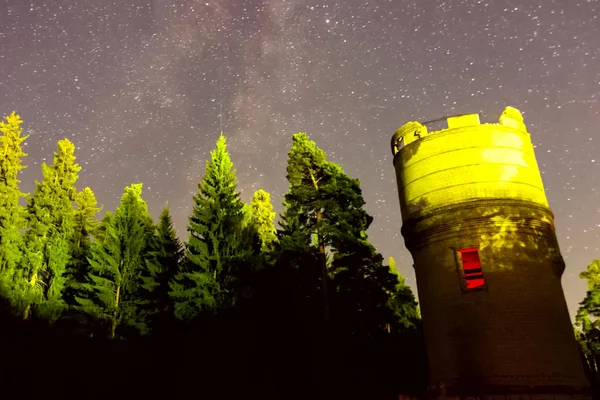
<point x="476" y="220"/>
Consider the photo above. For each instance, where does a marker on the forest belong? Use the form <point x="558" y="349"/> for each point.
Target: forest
<point x="120" y="307"/>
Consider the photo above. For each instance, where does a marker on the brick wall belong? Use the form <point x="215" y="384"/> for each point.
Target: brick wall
<point x="515" y="334"/>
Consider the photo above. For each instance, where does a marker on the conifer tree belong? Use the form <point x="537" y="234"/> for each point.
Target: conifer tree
<point x="217" y="245"/>
<point x="325" y="207"/>
<point x="363" y="288"/>
<point x="587" y="323"/>
<point x="165" y="256"/>
<point x="322" y="202"/>
<point x="100" y="234"/>
<point x="261" y="220"/>
<point x="12" y="214"/>
<point x="311" y="182"/>
<point x="402" y="300"/>
<point x="51" y="220"/>
<point x="590" y="306"/>
<point x="86" y="229"/>
<point x="117" y="264"/>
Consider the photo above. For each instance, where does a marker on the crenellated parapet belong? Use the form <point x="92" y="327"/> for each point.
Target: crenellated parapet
<point x="465" y="161"/>
<point x="413" y="131"/>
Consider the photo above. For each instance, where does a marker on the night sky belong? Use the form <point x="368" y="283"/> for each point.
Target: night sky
<point x="143" y="87"/>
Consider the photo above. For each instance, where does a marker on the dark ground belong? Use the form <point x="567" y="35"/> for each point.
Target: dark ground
<point x="225" y="358"/>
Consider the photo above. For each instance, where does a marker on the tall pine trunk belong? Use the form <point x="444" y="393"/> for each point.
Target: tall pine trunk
<point x="322" y="260"/>
<point x="324" y="277"/>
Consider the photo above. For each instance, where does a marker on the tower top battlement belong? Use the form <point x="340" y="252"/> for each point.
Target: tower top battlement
<point x="465" y="161"/>
<point x="414" y="130"/>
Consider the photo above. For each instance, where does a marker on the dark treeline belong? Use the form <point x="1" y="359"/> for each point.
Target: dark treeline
<point x="123" y="308"/>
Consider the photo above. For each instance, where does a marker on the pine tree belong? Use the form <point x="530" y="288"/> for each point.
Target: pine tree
<point x="363" y="287"/>
<point x="311" y="182"/>
<point x="166" y="254"/>
<point x="51" y="220"/>
<point x="12" y="214"/>
<point x="117" y="263"/>
<point x="292" y="291"/>
<point x="325" y="209"/>
<point x="86" y="229"/>
<point x="217" y="245"/>
<point x="324" y="203"/>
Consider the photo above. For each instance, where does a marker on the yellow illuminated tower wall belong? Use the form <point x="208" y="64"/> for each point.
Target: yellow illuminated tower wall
<point x="477" y="223"/>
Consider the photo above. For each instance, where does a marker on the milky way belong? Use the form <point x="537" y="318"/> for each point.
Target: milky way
<point x="143" y="88"/>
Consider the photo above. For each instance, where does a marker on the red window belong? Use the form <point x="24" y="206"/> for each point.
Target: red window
<point x="471" y="266"/>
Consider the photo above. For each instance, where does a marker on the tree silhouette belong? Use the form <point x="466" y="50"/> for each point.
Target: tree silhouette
<point x="117" y="264"/>
<point x="12" y="214"/>
<point x="51" y="220"/>
<point x="165" y="254"/>
<point x="217" y="243"/>
<point x="308" y="310"/>
<point x="402" y="300"/>
<point x="86" y="229"/>
<point x="307" y="204"/>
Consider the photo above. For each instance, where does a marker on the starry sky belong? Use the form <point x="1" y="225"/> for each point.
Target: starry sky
<point x="143" y="88"/>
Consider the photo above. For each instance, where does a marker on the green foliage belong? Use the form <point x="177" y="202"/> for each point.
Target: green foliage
<point x="590" y="306"/>
<point x="51" y="217"/>
<point x="261" y="221"/>
<point x="312" y="186"/>
<point x="321" y="189"/>
<point x="113" y="291"/>
<point x="305" y="223"/>
<point x="126" y="277"/>
<point x="12" y="214"/>
<point x="588" y="339"/>
<point x="587" y="323"/>
<point x="325" y="208"/>
<point x="402" y="300"/>
<point x="218" y="243"/>
<point x="132" y="277"/>
<point x="86" y="229"/>
<point x="165" y="256"/>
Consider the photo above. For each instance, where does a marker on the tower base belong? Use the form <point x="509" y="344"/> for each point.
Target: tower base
<point x="490" y="392"/>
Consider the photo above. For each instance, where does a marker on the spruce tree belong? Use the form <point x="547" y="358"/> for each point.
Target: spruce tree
<point x="217" y="245"/>
<point x="113" y="291"/>
<point x="51" y="220"/>
<point x="165" y="256"/>
<point x="261" y="221"/>
<point x="12" y="214"/>
<point x="86" y="229"/>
